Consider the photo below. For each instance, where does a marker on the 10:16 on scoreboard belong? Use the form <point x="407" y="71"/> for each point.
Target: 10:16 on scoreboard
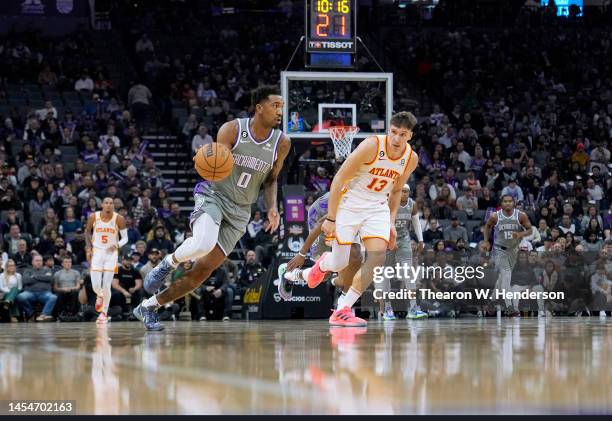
<point x="330" y="26"/>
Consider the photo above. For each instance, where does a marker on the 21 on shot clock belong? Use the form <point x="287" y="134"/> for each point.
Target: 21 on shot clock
<point x="331" y="26"/>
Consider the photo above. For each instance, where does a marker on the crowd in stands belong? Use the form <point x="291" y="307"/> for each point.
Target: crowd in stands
<point x="526" y="113"/>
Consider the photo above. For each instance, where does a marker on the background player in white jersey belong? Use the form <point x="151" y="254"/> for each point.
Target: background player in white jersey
<point x="510" y="226"/>
<point x="407" y="218"/>
<point x="317" y="244"/>
<point x="364" y="199"/>
<point x="102" y="247"/>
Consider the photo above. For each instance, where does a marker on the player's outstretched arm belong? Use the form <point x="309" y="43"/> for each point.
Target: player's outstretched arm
<point x="491" y="222"/>
<point x="271" y="183"/>
<point x="298" y="259"/>
<point x="363" y="154"/>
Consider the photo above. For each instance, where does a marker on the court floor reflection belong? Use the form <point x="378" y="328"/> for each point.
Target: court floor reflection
<point x="559" y="365"/>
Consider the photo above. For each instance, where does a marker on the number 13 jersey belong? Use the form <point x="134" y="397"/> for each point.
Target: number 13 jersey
<point x="371" y="186"/>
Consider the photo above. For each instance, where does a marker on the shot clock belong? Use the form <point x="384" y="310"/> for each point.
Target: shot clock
<point x="330" y="26"/>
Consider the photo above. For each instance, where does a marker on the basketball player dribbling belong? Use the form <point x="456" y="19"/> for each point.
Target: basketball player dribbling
<point x="223" y="208"/>
<point x="510" y="226"/>
<point x="317" y="244"/>
<point x="364" y="199"/>
<point x="102" y="248"/>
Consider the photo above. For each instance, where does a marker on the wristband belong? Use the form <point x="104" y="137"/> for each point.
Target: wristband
<point x="301" y="254"/>
<point x="330" y="220"/>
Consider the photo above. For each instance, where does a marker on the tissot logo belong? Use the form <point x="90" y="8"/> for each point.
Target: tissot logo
<point x="331" y="44"/>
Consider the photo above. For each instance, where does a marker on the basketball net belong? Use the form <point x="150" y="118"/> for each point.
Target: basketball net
<point x="342" y="136"/>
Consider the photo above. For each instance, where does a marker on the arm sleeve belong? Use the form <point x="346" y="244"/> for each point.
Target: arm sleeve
<point x="124" y="238"/>
<point x="416" y="224"/>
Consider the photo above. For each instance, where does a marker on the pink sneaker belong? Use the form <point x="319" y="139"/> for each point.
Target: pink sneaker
<point x="316" y="275"/>
<point x="345" y="317"/>
<point x="99" y="303"/>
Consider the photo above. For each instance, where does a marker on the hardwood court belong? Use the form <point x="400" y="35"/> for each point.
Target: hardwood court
<point x="561" y="365"/>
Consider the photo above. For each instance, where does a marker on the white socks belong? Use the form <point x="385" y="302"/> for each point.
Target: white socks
<point x="151" y="303"/>
<point x="170" y="261"/>
<point x="351" y="298"/>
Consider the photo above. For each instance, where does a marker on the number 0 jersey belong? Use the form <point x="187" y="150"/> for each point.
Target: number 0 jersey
<point x="375" y="180"/>
<point x="105" y="234"/>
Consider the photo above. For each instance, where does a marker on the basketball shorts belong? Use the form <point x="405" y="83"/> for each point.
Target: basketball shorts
<point x="367" y="223"/>
<point x="402" y="254"/>
<point x="319" y="246"/>
<point x="101" y="261"/>
<point x="231" y="218"/>
<point x="505" y="259"/>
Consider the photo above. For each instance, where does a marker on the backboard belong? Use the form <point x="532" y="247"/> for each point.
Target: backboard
<point x="314" y="101"/>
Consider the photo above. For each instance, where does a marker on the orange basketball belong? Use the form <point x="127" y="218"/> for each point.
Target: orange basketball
<point x="214" y="161"/>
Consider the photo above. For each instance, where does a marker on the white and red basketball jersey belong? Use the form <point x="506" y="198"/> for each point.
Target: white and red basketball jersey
<point x="105" y="234"/>
<point x="374" y="181"/>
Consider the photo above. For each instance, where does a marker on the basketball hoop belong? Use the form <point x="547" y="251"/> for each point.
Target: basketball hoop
<point x="342" y="136"/>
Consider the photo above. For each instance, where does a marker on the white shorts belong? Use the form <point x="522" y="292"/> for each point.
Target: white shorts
<point x="365" y="223"/>
<point x="101" y="261"/>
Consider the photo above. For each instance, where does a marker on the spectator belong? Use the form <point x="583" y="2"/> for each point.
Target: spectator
<point x="215" y="298"/>
<point x="265" y="243"/>
<point x="161" y="240"/>
<point x="139" y="100"/>
<point x="320" y="182"/>
<point x="201" y="138"/>
<point x="255" y="225"/>
<point x="433" y="233"/>
<point x="467" y="202"/>
<point x="127" y="286"/>
<point x="84" y="84"/>
<point x="37" y="284"/>
<point x="13" y="237"/>
<point x="487" y="200"/>
<point x="37" y="208"/>
<point x="566" y="225"/>
<point x="580" y="156"/>
<point x="513" y="190"/>
<point x="67" y="283"/>
<point x="22" y="258"/>
<point x="471" y="183"/>
<point x="69" y="224"/>
<point x="10" y="287"/>
<point x="455" y="231"/>
<point x="436" y="189"/>
<point x="144" y="44"/>
<point x="249" y="272"/>
<point x="154" y="257"/>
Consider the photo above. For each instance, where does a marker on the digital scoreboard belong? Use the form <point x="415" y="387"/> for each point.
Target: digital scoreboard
<point x="331" y="26"/>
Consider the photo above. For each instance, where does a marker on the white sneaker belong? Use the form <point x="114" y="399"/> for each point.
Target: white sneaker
<point x="203" y="318"/>
<point x="602" y="314"/>
<point x="226" y="319"/>
<point x="541" y="314"/>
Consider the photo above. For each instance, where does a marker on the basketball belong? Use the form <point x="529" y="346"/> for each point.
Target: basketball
<point x="214" y="162"/>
